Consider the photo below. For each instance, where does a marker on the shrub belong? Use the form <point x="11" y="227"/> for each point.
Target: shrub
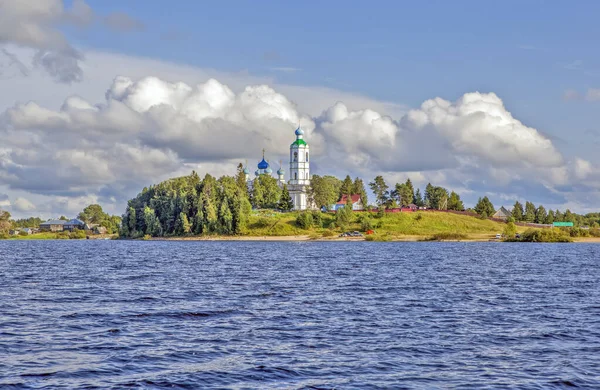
<point x="62" y="236"/>
<point x="262" y="223"/>
<point x="447" y="236"/>
<point x="545" y="235"/>
<point x="510" y="230"/>
<point x="595" y="232"/>
<point x="77" y="235"/>
<point x="419" y="217"/>
<point x="304" y="220"/>
<point x="317" y="219"/>
<point x="328" y="233"/>
<point x="378" y="237"/>
<point x="23" y="234"/>
<point x="146" y="237"/>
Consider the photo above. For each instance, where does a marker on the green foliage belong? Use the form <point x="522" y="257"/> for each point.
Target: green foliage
<point x="304" y="220"/>
<point x="436" y="197"/>
<point x="187" y="205"/>
<point x="328" y="233"/>
<point x="545" y="235"/>
<point x="510" y="230"/>
<point x="285" y="202"/>
<point x="77" y="235"/>
<point x="418" y="200"/>
<point x="347" y="187"/>
<point x="380" y="189"/>
<point x="540" y="215"/>
<point x="455" y="203"/>
<point x="32" y="222"/>
<point x="404" y="193"/>
<point x="5" y="223"/>
<point x="343" y="215"/>
<point x="529" y="212"/>
<point x="359" y="188"/>
<point x="324" y="191"/>
<point x="484" y="207"/>
<point x="443" y="236"/>
<point x="518" y="212"/>
<point x="317" y="218"/>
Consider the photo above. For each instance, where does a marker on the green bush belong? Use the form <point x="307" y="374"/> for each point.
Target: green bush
<point x="62" y="236"/>
<point x="447" y="236"/>
<point x="23" y="234"/>
<point x="545" y="235"/>
<point x="304" y="220"/>
<point x="77" y="235"/>
<point x="317" y="219"/>
<point x="328" y="233"/>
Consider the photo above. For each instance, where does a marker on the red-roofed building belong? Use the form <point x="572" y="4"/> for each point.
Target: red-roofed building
<point x="355" y="199"/>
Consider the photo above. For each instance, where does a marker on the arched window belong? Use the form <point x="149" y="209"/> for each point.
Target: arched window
<point x="295" y="156"/>
<point x="295" y="176"/>
<point x="306" y="175"/>
<point x="306" y="156"/>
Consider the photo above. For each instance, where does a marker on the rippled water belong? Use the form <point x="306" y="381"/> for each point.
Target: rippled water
<point x="106" y="314"/>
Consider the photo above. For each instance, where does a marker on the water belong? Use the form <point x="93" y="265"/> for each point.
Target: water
<point x="105" y="314"/>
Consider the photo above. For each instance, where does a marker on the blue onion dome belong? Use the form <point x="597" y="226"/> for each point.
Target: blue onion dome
<point x="257" y="172"/>
<point x="269" y="171"/>
<point x="280" y="172"/>
<point x="263" y="164"/>
<point x="299" y="131"/>
<point x="246" y="171"/>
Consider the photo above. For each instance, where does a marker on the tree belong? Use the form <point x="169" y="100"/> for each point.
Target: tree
<point x="569" y="216"/>
<point x="529" y="212"/>
<point x="343" y="216"/>
<point x="418" y="200"/>
<point x="517" y="211"/>
<point x="5" y="223"/>
<point x="380" y="189"/>
<point x="347" y="187"/>
<point x="358" y="187"/>
<point x="510" y="230"/>
<point x="404" y="192"/>
<point x="225" y="218"/>
<point x="540" y="214"/>
<point x="549" y="218"/>
<point x="454" y="203"/>
<point x="409" y="192"/>
<point x="240" y="179"/>
<point x="183" y="224"/>
<point x="558" y="216"/>
<point x="438" y="198"/>
<point x="285" y="201"/>
<point x="93" y="214"/>
<point x="132" y="220"/>
<point x="484" y="207"/>
<point x="324" y="191"/>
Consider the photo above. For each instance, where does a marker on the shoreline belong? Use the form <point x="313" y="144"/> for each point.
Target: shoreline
<point x="303" y="238"/>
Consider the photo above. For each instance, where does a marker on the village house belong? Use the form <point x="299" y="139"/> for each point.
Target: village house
<point x="74" y="224"/>
<point x="502" y="213"/>
<point x="54" y="225"/>
<point x="355" y="199"/>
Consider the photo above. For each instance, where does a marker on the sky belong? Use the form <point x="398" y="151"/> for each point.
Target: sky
<point x="100" y="98"/>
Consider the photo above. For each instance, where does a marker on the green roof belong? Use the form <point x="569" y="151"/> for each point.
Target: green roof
<point x="299" y="142"/>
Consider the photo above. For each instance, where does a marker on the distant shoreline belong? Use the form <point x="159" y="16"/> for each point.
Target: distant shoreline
<point x="408" y="238"/>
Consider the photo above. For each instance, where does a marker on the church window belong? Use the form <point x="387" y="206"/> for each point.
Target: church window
<point x="295" y="176"/>
<point x="295" y="156"/>
<point x="306" y="156"/>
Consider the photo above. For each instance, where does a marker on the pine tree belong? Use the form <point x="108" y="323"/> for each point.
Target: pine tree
<point x="549" y="218"/>
<point x="529" y="212"/>
<point x="380" y="189"/>
<point x="347" y="187"/>
<point x="517" y="211"/>
<point x="359" y="188"/>
<point x="455" y="203"/>
<point x="540" y="215"/>
<point x="484" y="207"/>
<point x="418" y="200"/>
<point x="285" y="202"/>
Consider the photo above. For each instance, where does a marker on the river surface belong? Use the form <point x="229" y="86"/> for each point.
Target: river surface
<point x="287" y="315"/>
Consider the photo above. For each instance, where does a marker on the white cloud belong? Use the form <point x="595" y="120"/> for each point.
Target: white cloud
<point x="23" y="205"/>
<point x="111" y="136"/>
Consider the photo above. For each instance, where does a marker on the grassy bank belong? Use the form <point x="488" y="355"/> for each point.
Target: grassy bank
<point x="391" y="226"/>
<point x="79" y="235"/>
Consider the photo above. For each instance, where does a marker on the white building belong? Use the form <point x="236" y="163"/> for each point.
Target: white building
<point x="299" y="181"/>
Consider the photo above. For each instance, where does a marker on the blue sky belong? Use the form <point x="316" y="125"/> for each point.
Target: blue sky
<point x="350" y="71"/>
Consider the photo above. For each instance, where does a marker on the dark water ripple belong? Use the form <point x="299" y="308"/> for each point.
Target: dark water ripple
<point x="298" y="315"/>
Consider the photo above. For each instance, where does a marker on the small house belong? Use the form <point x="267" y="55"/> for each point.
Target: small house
<point x="355" y="199"/>
<point x="74" y="224"/>
<point x="99" y="230"/>
<point x="27" y="230"/>
<point x="502" y="213"/>
<point x="54" y="225"/>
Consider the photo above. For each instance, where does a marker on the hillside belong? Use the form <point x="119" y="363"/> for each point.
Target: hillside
<point x="393" y="225"/>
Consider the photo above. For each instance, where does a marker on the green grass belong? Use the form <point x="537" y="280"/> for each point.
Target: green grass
<point x="51" y="236"/>
<point x="431" y="224"/>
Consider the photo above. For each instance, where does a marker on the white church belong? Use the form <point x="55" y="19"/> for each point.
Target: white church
<point x="299" y="181"/>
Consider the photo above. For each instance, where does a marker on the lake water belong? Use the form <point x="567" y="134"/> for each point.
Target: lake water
<point x="117" y="314"/>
